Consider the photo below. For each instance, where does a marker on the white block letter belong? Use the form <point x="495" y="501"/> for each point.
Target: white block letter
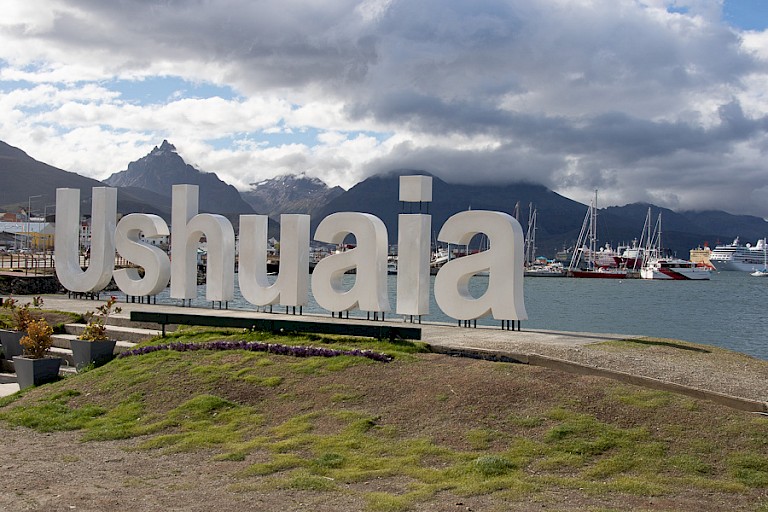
<point x="187" y="228"/>
<point x="504" y="260"/>
<point x="292" y="285"/>
<point x="369" y="257"/>
<point x="154" y="261"/>
<point x="67" y="249"/>
<point x="413" y="243"/>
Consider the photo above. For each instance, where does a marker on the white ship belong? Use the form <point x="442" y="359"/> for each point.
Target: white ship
<point x="738" y="257"/>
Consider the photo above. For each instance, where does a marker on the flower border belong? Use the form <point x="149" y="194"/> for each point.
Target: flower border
<point x="272" y="348"/>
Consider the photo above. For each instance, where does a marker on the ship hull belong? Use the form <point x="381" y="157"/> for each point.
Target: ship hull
<point x="732" y="265"/>
<point x="670" y="275"/>
<point x="597" y="274"/>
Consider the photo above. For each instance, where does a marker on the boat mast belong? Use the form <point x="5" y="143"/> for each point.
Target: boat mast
<point x="656" y="243"/>
<point x="645" y="240"/>
<point x="530" y="236"/>
<point x="765" y="256"/>
<point x="593" y="235"/>
<point x="585" y="232"/>
<point x="533" y="236"/>
<point x="659" y="240"/>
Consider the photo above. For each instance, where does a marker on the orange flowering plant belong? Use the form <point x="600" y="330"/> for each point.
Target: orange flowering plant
<point x="38" y="340"/>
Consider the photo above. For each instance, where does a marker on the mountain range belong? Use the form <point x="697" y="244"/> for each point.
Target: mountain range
<point x="145" y="186"/>
<point x="30" y="183"/>
<point x="559" y="219"/>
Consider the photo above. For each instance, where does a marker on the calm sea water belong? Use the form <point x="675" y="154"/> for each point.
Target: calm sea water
<point x="728" y="311"/>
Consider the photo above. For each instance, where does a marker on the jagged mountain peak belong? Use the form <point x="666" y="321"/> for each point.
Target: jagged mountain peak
<point x="165" y="152"/>
<point x="291" y="180"/>
<point x="164" y="147"/>
<point x="163" y="167"/>
<point x="290" y="193"/>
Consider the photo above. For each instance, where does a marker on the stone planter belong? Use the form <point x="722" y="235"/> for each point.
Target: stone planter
<point x="10" y="340"/>
<point x="33" y="372"/>
<point x="97" y="352"/>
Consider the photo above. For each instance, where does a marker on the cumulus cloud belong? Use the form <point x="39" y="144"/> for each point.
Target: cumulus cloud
<point x="654" y="100"/>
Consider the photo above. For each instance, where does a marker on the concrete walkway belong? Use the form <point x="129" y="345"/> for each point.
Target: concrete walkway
<point x="732" y="379"/>
<point x="8" y="389"/>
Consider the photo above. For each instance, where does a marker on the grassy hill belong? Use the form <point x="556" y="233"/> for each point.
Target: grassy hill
<point x="422" y="432"/>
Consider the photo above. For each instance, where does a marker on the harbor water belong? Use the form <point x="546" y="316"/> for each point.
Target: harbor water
<point x="727" y="311"/>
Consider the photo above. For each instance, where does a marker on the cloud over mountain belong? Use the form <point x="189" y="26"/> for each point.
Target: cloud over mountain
<point x="656" y="101"/>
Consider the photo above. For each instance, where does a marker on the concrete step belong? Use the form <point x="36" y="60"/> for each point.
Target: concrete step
<point x="117" y="332"/>
<point x="66" y="357"/>
<point x="123" y="320"/>
<point x="9" y="388"/>
<point x="7" y="378"/>
<point x="62" y="341"/>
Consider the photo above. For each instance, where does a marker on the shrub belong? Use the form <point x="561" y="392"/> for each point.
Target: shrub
<point x="21" y="316"/>
<point x="38" y="340"/>
<point x="96" y="326"/>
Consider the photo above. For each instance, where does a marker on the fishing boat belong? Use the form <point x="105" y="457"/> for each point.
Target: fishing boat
<point x="629" y="256"/>
<point x="587" y="255"/>
<point x="545" y="268"/>
<point x="657" y="266"/>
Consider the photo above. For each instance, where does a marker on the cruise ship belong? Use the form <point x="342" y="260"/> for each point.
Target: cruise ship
<point x="739" y="257"/>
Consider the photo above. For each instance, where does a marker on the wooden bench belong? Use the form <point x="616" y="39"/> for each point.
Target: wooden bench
<point x="390" y="332"/>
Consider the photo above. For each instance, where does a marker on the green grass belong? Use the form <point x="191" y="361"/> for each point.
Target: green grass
<point x="54" y="414"/>
<point x="312" y="425"/>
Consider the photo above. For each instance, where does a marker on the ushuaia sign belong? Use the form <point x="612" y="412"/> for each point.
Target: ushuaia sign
<point x="503" y="261"/>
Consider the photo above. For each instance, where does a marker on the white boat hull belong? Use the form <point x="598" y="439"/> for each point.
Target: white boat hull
<point x="677" y="276"/>
<point x="544" y="273"/>
<point x="731" y="265"/>
<point x="674" y="270"/>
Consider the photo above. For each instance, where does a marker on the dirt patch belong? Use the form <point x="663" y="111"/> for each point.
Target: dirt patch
<point x="455" y="402"/>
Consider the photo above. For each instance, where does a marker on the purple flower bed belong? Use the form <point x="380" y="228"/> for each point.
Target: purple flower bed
<point x="273" y="348"/>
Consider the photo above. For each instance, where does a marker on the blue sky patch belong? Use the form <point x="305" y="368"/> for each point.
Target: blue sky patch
<point x="162" y="89"/>
<point x="746" y="14"/>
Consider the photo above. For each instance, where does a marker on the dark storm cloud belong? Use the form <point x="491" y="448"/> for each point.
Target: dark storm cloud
<point x="574" y="94"/>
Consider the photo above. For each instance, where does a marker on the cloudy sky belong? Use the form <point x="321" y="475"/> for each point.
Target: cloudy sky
<point x="664" y="101"/>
